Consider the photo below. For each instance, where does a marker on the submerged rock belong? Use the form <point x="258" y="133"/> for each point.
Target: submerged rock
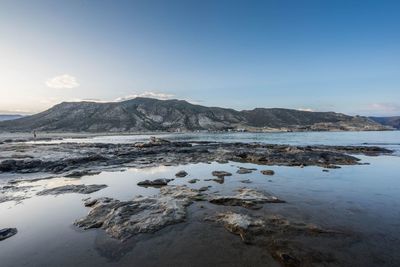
<point x="193" y="181"/>
<point x="248" y="198"/>
<point x="156" y="182"/>
<point x="247" y="181"/>
<point x="7" y="233"/>
<point x="204" y="188"/>
<point x="124" y="219"/>
<point x="219" y="180"/>
<point x="245" y="170"/>
<point x="181" y="174"/>
<point x="72" y="188"/>
<point x="286" y="241"/>
<point x="267" y="172"/>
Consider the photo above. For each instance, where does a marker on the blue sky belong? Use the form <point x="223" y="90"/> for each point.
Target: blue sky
<point x="320" y="55"/>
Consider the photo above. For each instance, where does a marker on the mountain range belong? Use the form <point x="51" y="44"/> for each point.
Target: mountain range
<point x="147" y="114"/>
<point x="7" y="117"/>
<point x="388" y="121"/>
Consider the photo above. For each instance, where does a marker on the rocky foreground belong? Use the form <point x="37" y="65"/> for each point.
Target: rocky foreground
<point x="242" y="212"/>
<point x="76" y="160"/>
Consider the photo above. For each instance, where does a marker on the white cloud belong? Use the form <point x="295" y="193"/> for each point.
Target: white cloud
<point x="385" y="107"/>
<point x="62" y="81"/>
<point x="305" y="109"/>
<point x="157" y="95"/>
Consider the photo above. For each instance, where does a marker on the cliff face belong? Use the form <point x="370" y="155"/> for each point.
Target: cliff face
<point x="146" y="114"/>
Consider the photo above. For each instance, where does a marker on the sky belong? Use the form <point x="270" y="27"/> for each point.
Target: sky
<point x="318" y="55"/>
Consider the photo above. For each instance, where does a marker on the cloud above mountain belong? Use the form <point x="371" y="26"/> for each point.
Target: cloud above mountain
<point x="157" y="95"/>
<point x="64" y="81"/>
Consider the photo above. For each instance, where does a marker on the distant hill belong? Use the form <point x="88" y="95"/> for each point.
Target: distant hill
<point x="7" y="117"/>
<point x="147" y="114"/>
<point x="388" y="121"/>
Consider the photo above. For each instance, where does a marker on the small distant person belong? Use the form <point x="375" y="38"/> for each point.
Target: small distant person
<point x="34" y="134"/>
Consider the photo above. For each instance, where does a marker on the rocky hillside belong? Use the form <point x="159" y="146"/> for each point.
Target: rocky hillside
<point x="146" y="114"/>
<point x="388" y="121"/>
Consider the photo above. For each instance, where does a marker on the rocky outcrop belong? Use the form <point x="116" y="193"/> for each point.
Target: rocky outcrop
<point x="124" y="219"/>
<point x="7" y="233"/>
<point x="289" y="243"/>
<point x="181" y="174"/>
<point x="221" y="174"/>
<point x="245" y="197"/>
<point x="267" y="172"/>
<point x="70" y="157"/>
<point x="72" y="188"/>
<point x="243" y="170"/>
<point x="156" y="182"/>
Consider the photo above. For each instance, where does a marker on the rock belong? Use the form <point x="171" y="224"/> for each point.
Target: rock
<point x="292" y="244"/>
<point x="193" y="181"/>
<point x="267" y="172"/>
<point x="158" y="141"/>
<point x="220" y="174"/>
<point x="247" y="181"/>
<point x="325" y="170"/>
<point x="245" y="197"/>
<point x="7" y="233"/>
<point x="219" y="180"/>
<point x="124" y="219"/>
<point x="181" y="174"/>
<point x="79" y="174"/>
<point x="204" y="188"/>
<point x="80" y="189"/>
<point x="238" y="223"/>
<point x="68" y="157"/>
<point x="244" y="170"/>
<point x="156" y="182"/>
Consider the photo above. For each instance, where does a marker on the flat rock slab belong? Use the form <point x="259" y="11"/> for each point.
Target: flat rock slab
<point x="80" y="189"/>
<point x="245" y="197"/>
<point x="124" y="219"/>
<point x="156" y="182"/>
<point x="65" y="158"/>
<point x="7" y="233"/>
<point x="288" y="242"/>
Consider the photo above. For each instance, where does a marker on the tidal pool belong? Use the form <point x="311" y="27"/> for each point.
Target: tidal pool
<point x="361" y="200"/>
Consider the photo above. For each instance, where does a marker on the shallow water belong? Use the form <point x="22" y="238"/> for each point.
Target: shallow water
<point x="361" y="200"/>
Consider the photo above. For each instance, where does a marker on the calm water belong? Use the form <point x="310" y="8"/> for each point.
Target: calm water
<point x="363" y="200"/>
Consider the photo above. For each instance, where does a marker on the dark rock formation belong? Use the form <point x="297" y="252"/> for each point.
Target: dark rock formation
<point x="69" y="157"/>
<point x="181" y="174"/>
<point x="7" y="233"/>
<point x="80" y="189"/>
<point x="267" y="172"/>
<point x="245" y="170"/>
<point x="221" y="174"/>
<point x="285" y="240"/>
<point x="156" y="182"/>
